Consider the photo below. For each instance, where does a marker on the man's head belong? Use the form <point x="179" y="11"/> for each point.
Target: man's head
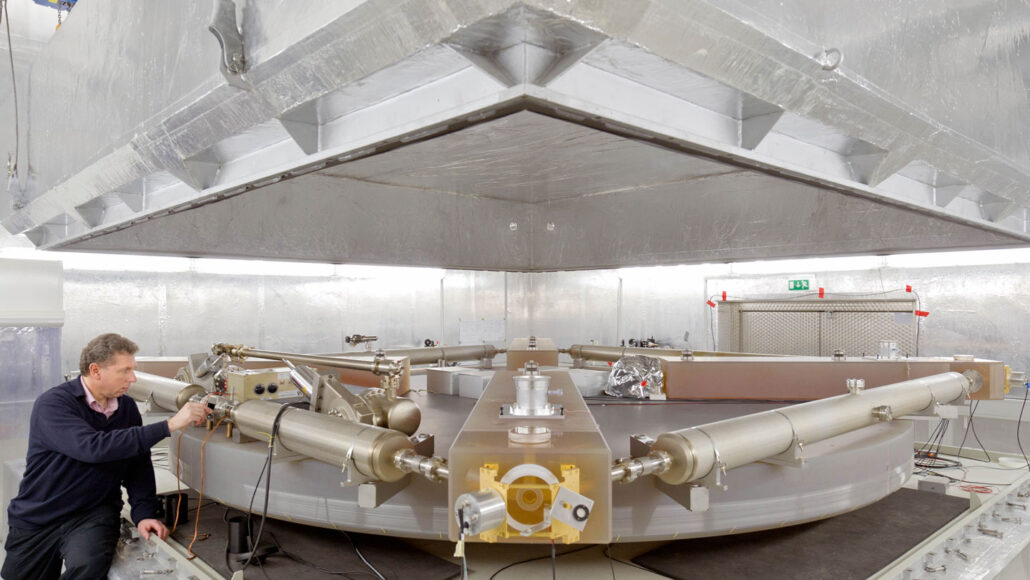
<point x="107" y="363"/>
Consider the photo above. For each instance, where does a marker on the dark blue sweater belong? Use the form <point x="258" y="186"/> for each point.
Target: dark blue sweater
<point x="79" y="459"/>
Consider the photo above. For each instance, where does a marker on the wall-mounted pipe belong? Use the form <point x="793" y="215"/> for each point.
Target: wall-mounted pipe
<point x="373" y="450"/>
<point x="692" y="454"/>
<point x="169" y="394"/>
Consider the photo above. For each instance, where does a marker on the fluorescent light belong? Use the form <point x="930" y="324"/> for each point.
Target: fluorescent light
<point x="964" y="258"/>
<point x="219" y="266"/>
<point x="392" y="273"/>
<point x="836" y="264"/>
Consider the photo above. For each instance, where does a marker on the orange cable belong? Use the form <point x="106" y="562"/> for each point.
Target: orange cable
<point x="200" y="500"/>
<point x="178" y="482"/>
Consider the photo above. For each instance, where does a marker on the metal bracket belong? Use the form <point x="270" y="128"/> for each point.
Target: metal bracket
<point x="281" y="454"/>
<point x="571" y="508"/>
<point x="794" y="456"/>
<point x="932" y="410"/>
<point x="233" y="63"/>
<point x="693" y="497"/>
<point x="372" y="494"/>
<point x="716" y="477"/>
<point x="425" y="443"/>
<point x="351" y="475"/>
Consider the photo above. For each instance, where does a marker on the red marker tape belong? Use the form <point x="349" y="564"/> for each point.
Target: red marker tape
<point x="908" y="288"/>
<point x="724" y="296"/>
<point x="710" y="303"/>
<point x="922" y="313"/>
<point x="822" y="293"/>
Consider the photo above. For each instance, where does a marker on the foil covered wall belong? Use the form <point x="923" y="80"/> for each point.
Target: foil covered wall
<point x="982" y="310"/>
<point x="31" y="361"/>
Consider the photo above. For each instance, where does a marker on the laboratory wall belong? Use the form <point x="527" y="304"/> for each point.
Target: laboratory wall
<point x="983" y="310"/>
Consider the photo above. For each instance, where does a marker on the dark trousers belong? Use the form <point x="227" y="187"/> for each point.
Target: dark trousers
<point x="85" y="543"/>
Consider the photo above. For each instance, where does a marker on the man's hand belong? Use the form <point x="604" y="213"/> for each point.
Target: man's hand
<point x="189" y="414"/>
<point x="147" y="526"/>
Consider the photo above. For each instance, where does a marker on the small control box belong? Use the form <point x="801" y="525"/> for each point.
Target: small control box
<point x="260" y="384"/>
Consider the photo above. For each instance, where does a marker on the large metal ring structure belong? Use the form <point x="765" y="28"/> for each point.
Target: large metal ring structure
<point x="771" y="486"/>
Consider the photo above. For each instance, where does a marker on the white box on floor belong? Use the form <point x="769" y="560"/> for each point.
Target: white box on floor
<point x="589" y="382"/>
<point x="443" y="380"/>
<point x="471" y="384"/>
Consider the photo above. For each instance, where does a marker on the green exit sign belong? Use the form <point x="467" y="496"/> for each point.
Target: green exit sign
<point x="798" y="284"/>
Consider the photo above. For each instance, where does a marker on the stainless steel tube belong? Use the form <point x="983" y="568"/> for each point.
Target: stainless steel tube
<point x="614" y="353"/>
<point x="696" y="451"/>
<point x="169" y="394"/>
<point x="373" y="365"/>
<point x="330" y="439"/>
<point x="422" y="356"/>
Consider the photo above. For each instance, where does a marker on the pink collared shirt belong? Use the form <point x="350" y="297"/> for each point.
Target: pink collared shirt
<point x="112" y="404"/>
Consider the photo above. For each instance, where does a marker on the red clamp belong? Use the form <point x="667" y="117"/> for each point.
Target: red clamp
<point x="822" y="293"/>
<point x="922" y="313"/>
<point x="710" y="303"/>
<point x="908" y="288"/>
<point x="724" y="296"/>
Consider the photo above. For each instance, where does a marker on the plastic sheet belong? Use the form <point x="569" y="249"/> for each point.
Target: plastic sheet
<point x="31" y="362"/>
<point x="640" y="377"/>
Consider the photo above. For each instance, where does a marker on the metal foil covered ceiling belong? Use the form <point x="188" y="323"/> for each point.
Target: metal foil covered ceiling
<point x="531" y="135"/>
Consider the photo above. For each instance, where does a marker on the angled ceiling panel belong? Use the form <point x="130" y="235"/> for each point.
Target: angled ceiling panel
<point x="531" y="134"/>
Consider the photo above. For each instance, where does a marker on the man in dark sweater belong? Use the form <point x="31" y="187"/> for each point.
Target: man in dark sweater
<point x="86" y="441"/>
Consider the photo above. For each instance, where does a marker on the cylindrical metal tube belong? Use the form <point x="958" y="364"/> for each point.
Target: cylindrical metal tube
<point x="734" y="442"/>
<point x="614" y="353"/>
<point x="423" y="356"/>
<point x="330" y="439"/>
<point x="169" y="394"/>
<point x="531" y="392"/>
<point x="379" y="366"/>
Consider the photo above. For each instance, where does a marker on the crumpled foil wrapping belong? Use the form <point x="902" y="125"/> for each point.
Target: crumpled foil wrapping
<point x="639" y="377"/>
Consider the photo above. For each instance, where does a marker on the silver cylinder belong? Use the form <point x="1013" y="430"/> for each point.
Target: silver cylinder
<point x="531" y="393"/>
<point x="379" y="366"/>
<point x="169" y="394"/>
<point x="424" y="356"/>
<point x="614" y="353"/>
<point x="696" y="451"/>
<point x="481" y="510"/>
<point x="401" y="415"/>
<point x="330" y="439"/>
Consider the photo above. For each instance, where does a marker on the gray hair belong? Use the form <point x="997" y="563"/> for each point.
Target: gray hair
<point x="103" y="348"/>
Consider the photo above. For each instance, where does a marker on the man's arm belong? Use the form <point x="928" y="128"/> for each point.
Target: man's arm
<point x="139" y="483"/>
<point x="62" y="428"/>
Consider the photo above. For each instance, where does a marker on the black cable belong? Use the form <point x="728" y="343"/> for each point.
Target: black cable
<point x="298" y="559"/>
<point x="608" y="552"/>
<point x="1019" y="424"/>
<point x="268" y="482"/>
<point x="972" y="409"/>
<point x="580" y="549"/>
<point x="977" y="437"/>
<point x="554" y="563"/>
<point x="14" y="85"/>
<point x="919" y="320"/>
<point x="927" y="448"/>
<point x="362" y="556"/>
